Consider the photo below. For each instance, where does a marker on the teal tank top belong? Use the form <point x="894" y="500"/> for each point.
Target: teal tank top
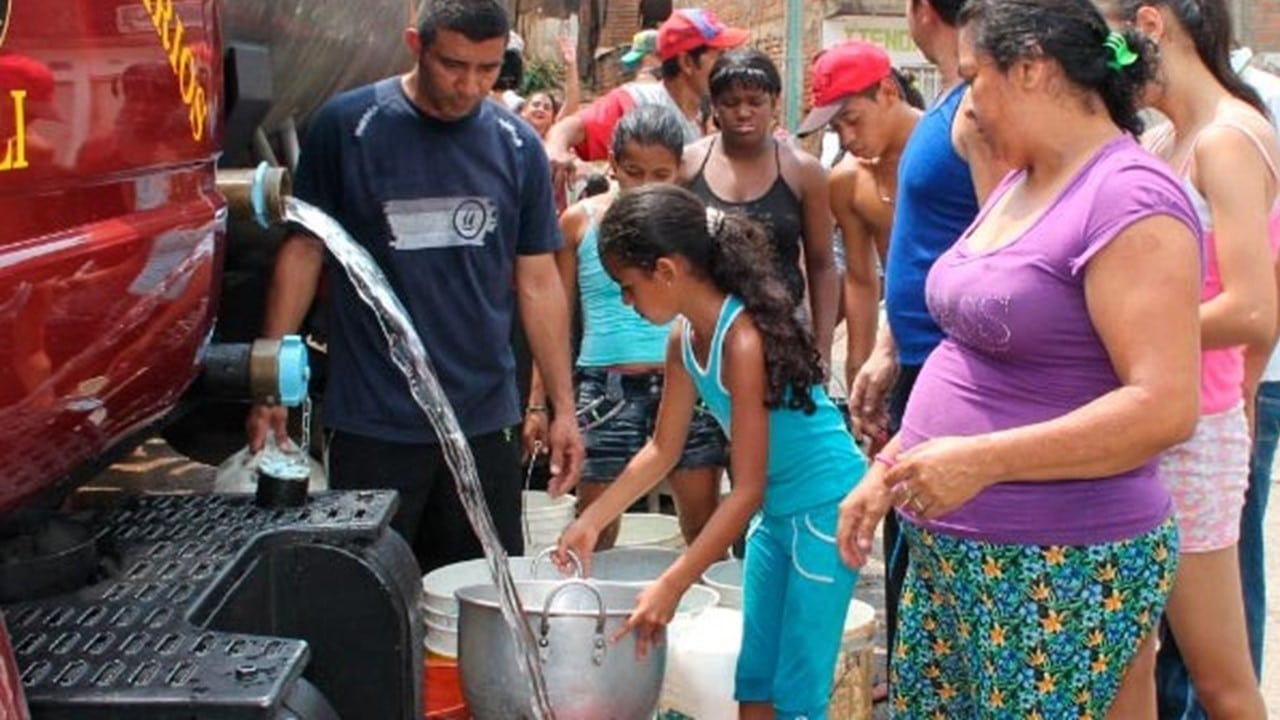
<point x="612" y="333"/>
<point x="812" y="457"/>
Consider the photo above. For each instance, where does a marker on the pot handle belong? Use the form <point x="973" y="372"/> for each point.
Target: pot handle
<point x="537" y="563"/>
<point x="598" y="643"/>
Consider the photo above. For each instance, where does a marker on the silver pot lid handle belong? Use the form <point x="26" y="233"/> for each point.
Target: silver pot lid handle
<point x="573" y="557"/>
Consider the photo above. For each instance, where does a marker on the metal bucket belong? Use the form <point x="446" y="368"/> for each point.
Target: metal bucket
<point x="588" y="677"/>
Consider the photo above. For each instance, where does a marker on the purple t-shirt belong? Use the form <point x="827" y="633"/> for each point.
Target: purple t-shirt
<point x="1020" y="348"/>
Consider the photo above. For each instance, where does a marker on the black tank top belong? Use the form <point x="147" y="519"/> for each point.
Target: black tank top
<point x="780" y="213"/>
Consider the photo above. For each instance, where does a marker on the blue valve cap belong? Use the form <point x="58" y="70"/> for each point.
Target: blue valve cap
<point x="294" y="372"/>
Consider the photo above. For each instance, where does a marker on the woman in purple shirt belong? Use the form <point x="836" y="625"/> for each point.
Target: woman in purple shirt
<point x="1041" y="537"/>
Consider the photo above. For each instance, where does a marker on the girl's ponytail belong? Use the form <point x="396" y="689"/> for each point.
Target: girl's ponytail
<point x="742" y="264"/>
<point x="662" y="220"/>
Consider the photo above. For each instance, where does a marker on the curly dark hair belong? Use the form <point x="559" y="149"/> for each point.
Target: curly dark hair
<point x="663" y="220"/>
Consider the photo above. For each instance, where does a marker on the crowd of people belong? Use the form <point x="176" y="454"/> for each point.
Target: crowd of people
<point x="1065" y="427"/>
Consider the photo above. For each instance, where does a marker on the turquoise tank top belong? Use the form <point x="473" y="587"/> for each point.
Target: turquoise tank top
<point x="812" y="457"/>
<point x="612" y="333"/>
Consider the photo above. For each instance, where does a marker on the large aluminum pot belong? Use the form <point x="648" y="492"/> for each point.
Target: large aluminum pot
<point x="588" y="677"/>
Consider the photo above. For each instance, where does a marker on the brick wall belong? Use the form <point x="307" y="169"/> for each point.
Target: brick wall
<point x="1260" y="22"/>
<point x="767" y="21"/>
<point x="621" y="21"/>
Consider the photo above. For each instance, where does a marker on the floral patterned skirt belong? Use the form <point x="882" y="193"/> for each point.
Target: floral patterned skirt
<point x="1024" y="631"/>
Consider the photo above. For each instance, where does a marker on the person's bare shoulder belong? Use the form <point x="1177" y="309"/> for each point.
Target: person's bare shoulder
<point x="694" y="154"/>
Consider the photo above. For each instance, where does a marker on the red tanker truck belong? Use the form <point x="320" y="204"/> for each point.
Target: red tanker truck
<point x="131" y="134"/>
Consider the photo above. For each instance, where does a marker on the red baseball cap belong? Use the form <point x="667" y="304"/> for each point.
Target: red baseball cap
<point x="691" y="28"/>
<point x="838" y="72"/>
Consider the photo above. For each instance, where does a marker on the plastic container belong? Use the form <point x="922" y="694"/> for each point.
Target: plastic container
<point x="703" y="654"/>
<point x="544" y="518"/>
<point x="725" y="577"/>
<point x="442" y="686"/>
<point x="449" y="621"/>
<point x="649" y="529"/>
<point x="696" y="600"/>
<point x="441" y="641"/>
<point x="439" y="585"/>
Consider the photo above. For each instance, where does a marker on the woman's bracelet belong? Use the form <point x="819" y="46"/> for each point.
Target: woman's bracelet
<point x="884" y="460"/>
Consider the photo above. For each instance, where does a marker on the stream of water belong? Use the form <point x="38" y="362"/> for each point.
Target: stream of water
<point x="410" y="356"/>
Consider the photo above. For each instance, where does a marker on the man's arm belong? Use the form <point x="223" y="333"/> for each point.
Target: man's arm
<point x="293" y="288"/>
<point x="861" y="283"/>
<point x="566" y="134"/>
<point x="572" y="81"/>
<point x="544" y="312"/>
<point x="573" y="224"/>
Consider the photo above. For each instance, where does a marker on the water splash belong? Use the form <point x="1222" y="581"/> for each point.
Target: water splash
<point x="410" y="356"/>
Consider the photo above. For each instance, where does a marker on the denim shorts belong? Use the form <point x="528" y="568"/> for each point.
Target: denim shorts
<point x="617" y="414"/>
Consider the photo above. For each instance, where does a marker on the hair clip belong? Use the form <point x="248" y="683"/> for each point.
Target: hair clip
<point x="1122" y="56"/>
<point x="715" y="222"/>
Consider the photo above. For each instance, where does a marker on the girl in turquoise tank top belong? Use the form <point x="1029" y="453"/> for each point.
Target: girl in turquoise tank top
<point x="620" y="363"/>
<point x="737" y="345"/>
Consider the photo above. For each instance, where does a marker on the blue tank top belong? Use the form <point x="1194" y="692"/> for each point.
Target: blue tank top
<point x="612" y="333"/>
<point x="936" y="203"/>
<point x="812" y="457"/>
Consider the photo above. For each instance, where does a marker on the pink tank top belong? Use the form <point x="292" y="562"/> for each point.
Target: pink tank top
<point x="1221" y="369"/>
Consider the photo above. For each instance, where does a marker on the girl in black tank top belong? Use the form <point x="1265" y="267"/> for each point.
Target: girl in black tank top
<point x="778" y="210"/>
<point x="746" y="169"/>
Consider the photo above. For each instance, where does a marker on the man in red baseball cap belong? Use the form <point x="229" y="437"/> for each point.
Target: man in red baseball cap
<point x="873" y="109"/>
<point x="689" y="41"/>
<point x="689" y="29"/>
<point x="841" y="72"/>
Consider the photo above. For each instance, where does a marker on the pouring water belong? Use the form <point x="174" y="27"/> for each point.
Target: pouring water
<point x="410" y="356"/>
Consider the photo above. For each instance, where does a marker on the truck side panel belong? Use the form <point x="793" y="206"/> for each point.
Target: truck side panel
<point x="113" y="231"/>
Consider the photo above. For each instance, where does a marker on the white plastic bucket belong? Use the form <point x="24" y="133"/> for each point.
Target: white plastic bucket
<point x="703" y="652"/>
<point x="439" y="585"/>
<point x="696" y="600"/>
<point x="441" y="641"/>
<point x="702" y="655"/>
<point x="544" y="518"/>
<point x="445" y="620"/>
<point x="649" y="529"/>
<point x="725" y="577"/>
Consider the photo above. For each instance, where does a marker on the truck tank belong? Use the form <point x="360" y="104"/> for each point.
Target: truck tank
<point x="319" y="48"/>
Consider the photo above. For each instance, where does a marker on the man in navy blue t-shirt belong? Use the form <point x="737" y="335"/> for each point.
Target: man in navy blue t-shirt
<point x="451" y="194"/>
